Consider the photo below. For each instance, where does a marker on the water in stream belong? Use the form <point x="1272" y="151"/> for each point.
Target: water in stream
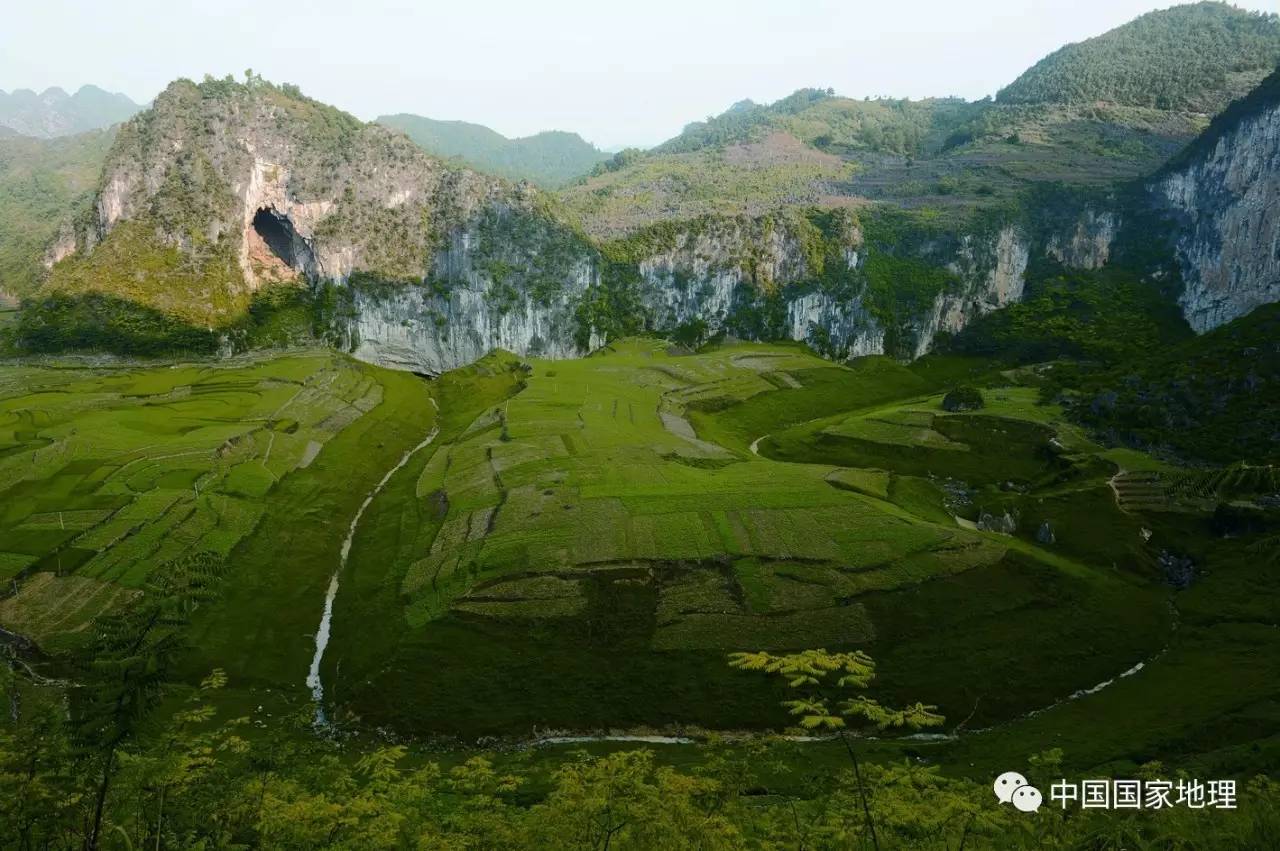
<point x="322" y="634"/>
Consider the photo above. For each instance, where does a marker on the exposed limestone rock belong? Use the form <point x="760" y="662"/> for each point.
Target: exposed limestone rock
<point x="432" y="330"/>
<point x="1228" y="239"/>
<point x="1005" y="524"/>
<point x="442" y="264"/>
<point x="1088" y="246"/>
<point x="993" y="275"/>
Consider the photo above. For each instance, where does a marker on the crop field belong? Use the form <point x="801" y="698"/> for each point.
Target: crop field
<point x="611" y="523"/>
<point x="584" y="541"/>
<point x="107" y="474"/>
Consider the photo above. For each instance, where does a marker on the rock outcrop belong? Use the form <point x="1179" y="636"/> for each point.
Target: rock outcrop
<point x="1087" y="245"/>
<point x="1223" y="195"/>
<point x="223" y="189"/>
<point x="759" y="277"/>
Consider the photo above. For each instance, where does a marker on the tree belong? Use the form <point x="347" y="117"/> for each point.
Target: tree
<point x="820" y="678"/>
<point x="131" y="657"/>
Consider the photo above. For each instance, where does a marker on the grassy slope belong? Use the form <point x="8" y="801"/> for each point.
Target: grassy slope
<point x="1007" y="636"/>
<point x="107" y="474"/>
<point x="262" y="629"/>
<point x="1224" y="724"/>
<point x="650" y="650"/>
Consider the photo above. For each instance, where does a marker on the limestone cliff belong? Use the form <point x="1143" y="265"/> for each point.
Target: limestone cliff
<point x="1224" y="193"/>
<point x="222" y="189"/>
<point x="779" y="276"/>
<point x="509" y="279"/>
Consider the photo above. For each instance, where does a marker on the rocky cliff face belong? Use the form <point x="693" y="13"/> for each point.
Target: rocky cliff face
<point x="506" y="280"/>
<point x="240" y="187"/>
<point x="726" y="270"/>
<point x="1224" y="199"/>
<point x="1087" y="243"/>
<point x="223" y="189"/>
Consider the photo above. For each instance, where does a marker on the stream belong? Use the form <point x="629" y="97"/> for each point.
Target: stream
<point x="322" y="642"/>
<point x="326" y="618"/>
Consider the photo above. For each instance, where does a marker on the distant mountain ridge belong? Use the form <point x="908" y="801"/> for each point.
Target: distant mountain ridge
<point x="54" y="113"/>
<point x="551" y="158"/>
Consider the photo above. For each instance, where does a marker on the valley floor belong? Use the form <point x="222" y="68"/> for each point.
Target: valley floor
<point x="584" y="542"/>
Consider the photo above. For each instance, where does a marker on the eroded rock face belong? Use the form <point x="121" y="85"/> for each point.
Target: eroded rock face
<point x="992" y="274"/>
<point x="464" y="314"/>
<point x="442" y="265"/>
<point x="1228" y="238"/>
<point x="732" y="267"/>
<point x="206" y="160"/>
<point x="1088" y="244"/>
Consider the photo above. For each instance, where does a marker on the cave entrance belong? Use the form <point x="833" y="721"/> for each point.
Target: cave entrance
<point x="276" y="251"/>
<point x="279" y="235"/>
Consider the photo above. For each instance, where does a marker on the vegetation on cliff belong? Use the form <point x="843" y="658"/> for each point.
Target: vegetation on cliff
<point x="1211" y="398"/>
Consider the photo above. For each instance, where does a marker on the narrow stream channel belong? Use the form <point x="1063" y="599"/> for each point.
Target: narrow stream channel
<point x="322" y="634"/>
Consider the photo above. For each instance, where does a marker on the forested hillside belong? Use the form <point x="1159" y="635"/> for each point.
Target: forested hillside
<point x="550" y="159"/>
<point x="1196" y="57"/>
<point x="41" y="183"/>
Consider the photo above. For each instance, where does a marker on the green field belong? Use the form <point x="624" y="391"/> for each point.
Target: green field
<point x="599" y="540"/>
<point x="108" y="474"/>
<point x="595" y="536"/>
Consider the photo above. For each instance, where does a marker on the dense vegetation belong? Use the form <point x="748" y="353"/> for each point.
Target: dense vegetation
<point x="1194" y="57"/>
<point x="1265" y="95"/>
<point x="820" y="118"/>
<point x="41" y="184"/>
<point x="1211" y="398"/>
<point x="550" y="159"/>
<point x="208" y="781"/>
<point x="1105" y="315"/>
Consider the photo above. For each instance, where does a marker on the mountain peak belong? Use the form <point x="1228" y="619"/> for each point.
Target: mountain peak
<point x="53" y="112"/>
<point x="1195" y="57"/>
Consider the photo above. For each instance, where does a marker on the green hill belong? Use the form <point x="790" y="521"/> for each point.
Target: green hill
<point x="552" y="158"/>
<point x="1196" y="57"/>
<point x="53" y="112"/>
<point x="1105" y="111"/>
<point x="41" y="183"/>
<point x="1265" y="96"/>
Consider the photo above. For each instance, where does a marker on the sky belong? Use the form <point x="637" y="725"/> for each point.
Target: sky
<point x="620" y="74"/>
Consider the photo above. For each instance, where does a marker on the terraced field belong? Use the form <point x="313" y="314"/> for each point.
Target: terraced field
<point x="583" y="544"/>
<point x="585" y="540"/>
<point x="108" y="474"/>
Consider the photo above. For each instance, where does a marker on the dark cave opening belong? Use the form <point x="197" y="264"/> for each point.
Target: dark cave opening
<point x="279" y="235"/>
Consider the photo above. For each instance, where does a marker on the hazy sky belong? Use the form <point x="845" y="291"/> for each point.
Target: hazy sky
<point x="619" y="73"/>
